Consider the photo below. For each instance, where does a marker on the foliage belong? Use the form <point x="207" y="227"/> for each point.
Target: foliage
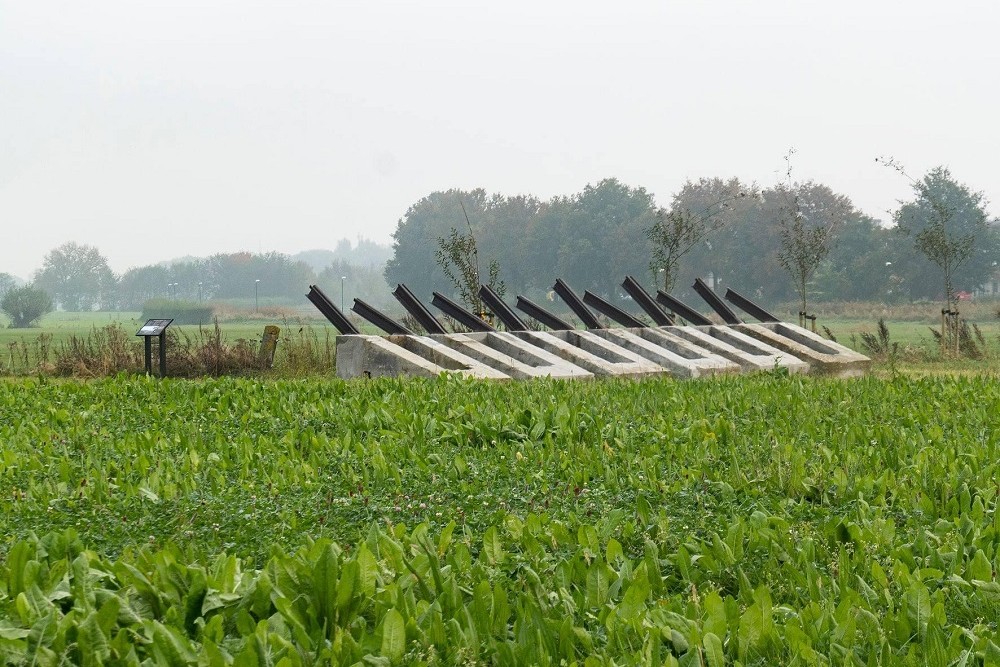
<point x="949" y="229"/>
<point x="77" y="276"/>
<point x="678" y="230"/>
<point x="7" y="283"/>
<point x="25" y="305"/>
<point x="809" y="218"/>
<point x="458" y="257"/>
<point x="765" y="520"/>
<point x="879" y="344"/>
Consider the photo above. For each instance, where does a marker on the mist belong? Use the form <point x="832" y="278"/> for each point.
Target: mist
<point x="155" y="130"/>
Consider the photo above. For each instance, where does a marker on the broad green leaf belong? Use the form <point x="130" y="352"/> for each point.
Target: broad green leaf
<point x="492" y="546"/>
<point x="714" y="656"/>
<point x="393" y="636"/>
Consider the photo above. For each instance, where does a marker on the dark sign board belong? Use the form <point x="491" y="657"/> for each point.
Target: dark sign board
<point x="153" y="327"/>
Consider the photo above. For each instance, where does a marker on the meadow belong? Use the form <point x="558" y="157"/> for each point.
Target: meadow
<point x="307" y="345"/>
<point x="753" y="520"/>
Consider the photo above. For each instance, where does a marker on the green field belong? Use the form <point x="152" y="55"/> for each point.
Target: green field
<point x="909" y="325"/>
<point x="749" y="520"/>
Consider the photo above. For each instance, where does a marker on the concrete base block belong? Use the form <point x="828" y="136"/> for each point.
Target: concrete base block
<point x="418" y="356"/>
<point x="512" y="356"/>
<point x="749" y="353"/>
<point x="679" y="357"/>
<point x="822" y="355"/>
<point x="591" y="352"/>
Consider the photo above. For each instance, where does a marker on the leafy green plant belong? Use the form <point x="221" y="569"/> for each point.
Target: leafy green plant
<point x="761" y="519"/>
<point x="25" y="305"/>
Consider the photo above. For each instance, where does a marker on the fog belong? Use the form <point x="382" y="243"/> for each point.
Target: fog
<point x="162" y="129"/>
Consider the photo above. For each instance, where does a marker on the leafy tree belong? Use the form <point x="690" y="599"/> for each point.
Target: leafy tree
<point x="234" y="276"/>
<point x="77" y="276"/>
<point x="25" y="305"/>
<point x="599" y="238"/>
<point x="807" y="227"/>
<point x="741" y="247"/>
<point x="140" y="284"/>
<point x="948" y="224"/>
<point x="458" y="257"/>
<point x="677" y="230"/>
<point x="7" y="283"/>
<point x="415" y="241"/>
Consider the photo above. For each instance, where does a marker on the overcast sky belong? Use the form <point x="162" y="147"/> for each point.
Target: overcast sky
<point x="160" y="129"/>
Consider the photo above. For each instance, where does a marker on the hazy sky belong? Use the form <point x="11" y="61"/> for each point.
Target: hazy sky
<point x="159" y="129"/>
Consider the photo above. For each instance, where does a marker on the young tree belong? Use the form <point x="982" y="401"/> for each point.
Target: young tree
<point x="809" y="216"/>
<point x="676" y="231"/>
<point x="949" y="227"/>
<point x="458" y="257"/>
<point x="25" y="305"/>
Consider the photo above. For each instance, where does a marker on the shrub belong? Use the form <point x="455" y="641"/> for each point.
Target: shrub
<point x="25" y="305"/>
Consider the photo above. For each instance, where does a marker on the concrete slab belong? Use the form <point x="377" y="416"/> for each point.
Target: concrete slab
<point x="822" y="355"/>
<point x="679" y="357"/>
<point x="749" y="353"/>
<point x="512" y="356"/>
<point x="417" y="356"/>
<point x="591" y="352"/>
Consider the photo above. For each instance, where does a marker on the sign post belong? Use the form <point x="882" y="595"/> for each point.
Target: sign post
<point x="155" y="329"/>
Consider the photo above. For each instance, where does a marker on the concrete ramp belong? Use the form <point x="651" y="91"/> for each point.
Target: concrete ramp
<point x="512" y="356"/>
<point x="679" y="357"/>
<point x="593" y="353"/>
<point x="823" y="356"/>
<point x="418" y="356"/>
<point x="749" y="353"/>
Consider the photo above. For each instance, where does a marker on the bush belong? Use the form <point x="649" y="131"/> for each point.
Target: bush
<point x="25" y="305"/>
<point x="181" y="312"/>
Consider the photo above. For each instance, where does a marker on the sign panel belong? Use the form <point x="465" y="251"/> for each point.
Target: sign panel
<point x="153" y="327"/>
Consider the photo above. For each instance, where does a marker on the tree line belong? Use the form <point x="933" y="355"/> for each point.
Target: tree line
<point x="76" y="277"/>
<point x="790" y="241"/>
<point x="796" y="240"/>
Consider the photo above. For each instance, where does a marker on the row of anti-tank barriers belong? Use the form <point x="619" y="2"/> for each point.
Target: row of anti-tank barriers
<point x="636" y="349"/>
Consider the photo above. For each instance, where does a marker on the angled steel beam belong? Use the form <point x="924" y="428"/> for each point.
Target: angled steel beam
<point x="331" y="312"/>
<point x="612" y="311"/>
<point x="379" y="319"/>
<point x="685" y="311"/>
<point x="501" y="309"/>
<point x="418" y="310"/>
<point x="748" y="306"/>
<point x="717" y="304"/>
<point x="576" y="305"/>
<point x="459" y="314"/>
<point x="646" y="302"/>
<point x="553" y="322"/>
